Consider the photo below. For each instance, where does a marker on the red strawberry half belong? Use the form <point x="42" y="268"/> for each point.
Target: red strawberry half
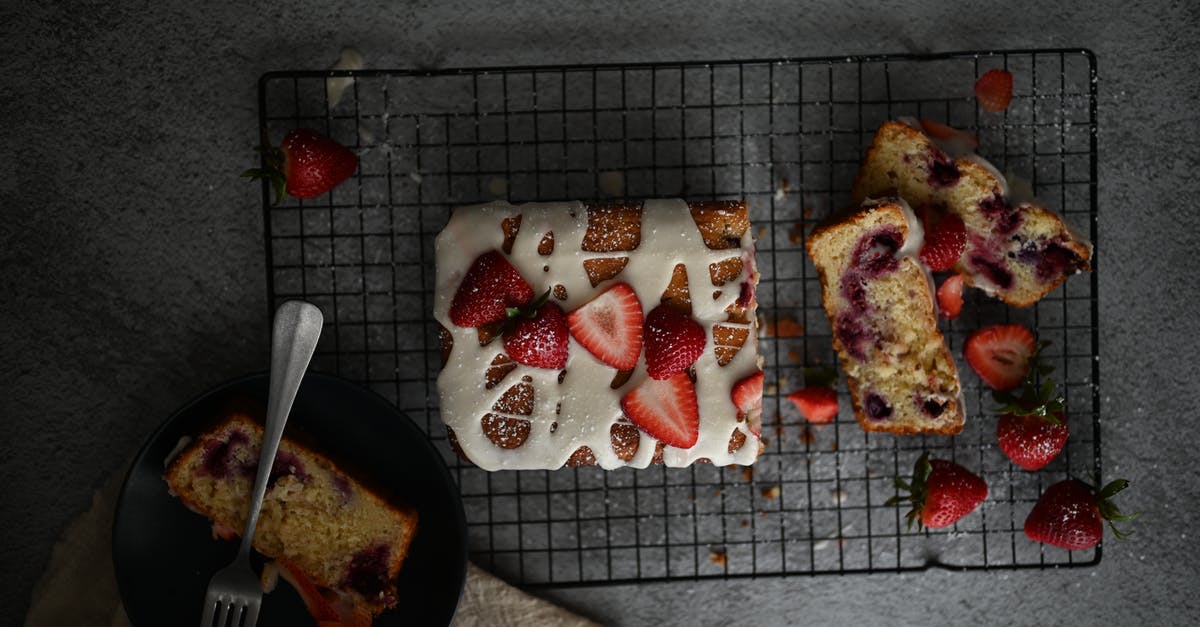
<point x="491" y="286"/>
<point x="944" y="243"/>
<point x="665" y="409"/>
<point x="673" y="342"/>
<point x="818" y="404"/>
<point x="305" y="165"/>
<point x="949" y="297"/>
<point x="747" y="397"/>
<point x="541" y="340"/>
<point x="941" y="493"/>
<point x="610" y="326"/>
<point x="1070" y="515"/>
<point x="1001" y="354"/>
<point x="994" y="90"/>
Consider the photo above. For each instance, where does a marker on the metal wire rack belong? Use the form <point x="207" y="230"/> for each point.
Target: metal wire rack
<point x="784" y="135"/>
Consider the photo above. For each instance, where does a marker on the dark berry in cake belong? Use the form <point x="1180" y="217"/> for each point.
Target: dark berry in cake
<point x="993" y="270"/>
<point x="942" y="171"/>
<point x="285" y="464"/>
<point x="877" y="408"/>
<point x="854" y="290"/>
<point x="876" y="252"/>
<point x="1055" y="260"/>
<point x="219" y="456"/>
<point x="853" y="335"/>
<point x="367" y="572"/>
<point x="933" y="407"/>
<point x="1005" y="216"/>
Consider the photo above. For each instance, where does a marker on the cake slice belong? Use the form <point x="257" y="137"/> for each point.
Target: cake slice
<point x="316" y="516"/>
<point x="879" y="300"/>
<point x="1016" y="252"/>
<point x="658" y="299"/>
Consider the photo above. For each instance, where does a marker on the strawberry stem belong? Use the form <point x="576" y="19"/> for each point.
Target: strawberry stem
<point x="1109" y="510"/>
<point x="917" y="492"/>
<point x="273" y="160"/>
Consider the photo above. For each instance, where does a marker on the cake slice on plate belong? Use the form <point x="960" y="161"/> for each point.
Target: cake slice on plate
<point x="316" y="517"/>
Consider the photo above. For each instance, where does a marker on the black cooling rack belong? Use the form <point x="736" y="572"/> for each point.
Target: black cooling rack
<point x="784" y="135"/>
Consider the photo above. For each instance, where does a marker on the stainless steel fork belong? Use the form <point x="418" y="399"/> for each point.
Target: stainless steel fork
<point x="235" y="591"/>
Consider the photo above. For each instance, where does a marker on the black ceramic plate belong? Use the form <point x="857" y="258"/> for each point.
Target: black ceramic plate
<point x="164" y="554"/>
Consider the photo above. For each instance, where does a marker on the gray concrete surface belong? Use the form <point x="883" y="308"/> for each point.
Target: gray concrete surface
<point x="132" y="266"/>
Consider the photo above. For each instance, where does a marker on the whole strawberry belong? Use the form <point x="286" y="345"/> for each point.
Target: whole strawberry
<point x="305" y="165"/>
<point x="539" y="338"/>
<point x="673" y="342"/>
<point x="1070" y="515"/>
<point x="941" y="493"/>
<point x="489" y="291"/>
<point x="1032" y="428"/>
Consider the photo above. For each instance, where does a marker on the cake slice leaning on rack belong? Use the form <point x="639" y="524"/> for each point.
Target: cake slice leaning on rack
<point x="599" y="334"/>
<point x="1017" y="252"/>
<point x="879" y="300"/>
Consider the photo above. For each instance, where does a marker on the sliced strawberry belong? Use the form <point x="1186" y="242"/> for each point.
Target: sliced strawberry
<point x="539" y="341"/>
<point x="305" y="165"/>
<point x="941" y="493"/>
<point x="747" y="396"/>
<point x="610" y="326"/>
<point x="1001" y="355"/>
<point x="949" y="297"/>
<point x="944" y="243"/>
<point x="489" y="288"/>
<point x="953" y="141"/>
<point x="1070" y="514"/>
<point x="818" y="404"/>
<point x="319" y="606"/>
<point x="994" y="90"/>
<point x="666" y="409"/>
<point x="673" y="342"/>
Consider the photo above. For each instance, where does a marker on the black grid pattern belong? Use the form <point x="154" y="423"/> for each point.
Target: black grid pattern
<point x="787" y="137"/>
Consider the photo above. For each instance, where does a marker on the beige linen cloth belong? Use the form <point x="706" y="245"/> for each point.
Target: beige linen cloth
<point x="79" y="586"/>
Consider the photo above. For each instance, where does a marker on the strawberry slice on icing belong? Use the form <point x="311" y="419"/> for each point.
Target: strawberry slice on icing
<point x="673" y="342"/>
<point x="490" y="287"/>
<point x="747" y="396"/>
<point x="610" y="326"/>
<point x="666" y="409"/>
<point x="541" y="340"/>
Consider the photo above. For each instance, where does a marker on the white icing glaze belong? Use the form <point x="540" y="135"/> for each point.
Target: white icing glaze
<point x="588" y="406"/>
<point x="915" y="239"/>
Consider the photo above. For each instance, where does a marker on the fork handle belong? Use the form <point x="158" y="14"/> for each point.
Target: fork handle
<point x="294" y="339"/>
